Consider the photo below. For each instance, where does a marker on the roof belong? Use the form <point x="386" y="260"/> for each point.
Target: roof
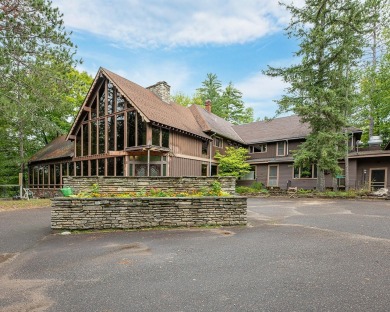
<point x="213" y="123"/>
<point x="153" y="108"/>
<point x="58" y="148"/>
<point x="282" y="128"/>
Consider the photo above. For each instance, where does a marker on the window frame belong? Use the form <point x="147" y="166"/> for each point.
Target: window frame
<point x="284" y="148"/>
<point x="263" y="149"/>
<point x="313" y="172"/>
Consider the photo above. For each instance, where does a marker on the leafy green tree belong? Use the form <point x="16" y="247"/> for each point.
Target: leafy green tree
<point x="233" y="162"/>
<point x="227" y="103"/>
<point x="321" y="86"/>
<point x="36" y="56"/>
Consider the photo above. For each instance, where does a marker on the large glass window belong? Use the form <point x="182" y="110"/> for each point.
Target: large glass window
<point x="102" y="98"/>
<point x="78" y="143"/>
<point x="101" y="167"/>
<point x="78" y="168"/>
<point x="85" y="168"/>
<point x="165" y="137"/>
<point x="93" y="138"/>
<point x="52" y="175"/>
<point x="57" y="174"/>
<point x="85" y="140"/>
<point x="155" y="136"/>
<point x="120" y="102"/>
<point x="120" y="132"/>
<point x="110" y="98"/>
<point x="64" y="169"/>
<point x="111" y="166"/>
<point x="111" y="133"/>
<point x="141" y="130"/>
<point x="119" y="166"/>
<point x="102" y="135"/>
<point x="93" y="167"/>
<point x="93" y="109"/>
<point x="71" y="168"/>
<point x="131" y="128"/>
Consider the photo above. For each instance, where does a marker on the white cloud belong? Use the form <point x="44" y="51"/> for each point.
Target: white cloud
<point x="260" y="92"/>
<point x="155" y="23"/>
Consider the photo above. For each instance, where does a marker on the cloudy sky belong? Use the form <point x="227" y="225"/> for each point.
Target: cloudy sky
<point x="180" y="41"/>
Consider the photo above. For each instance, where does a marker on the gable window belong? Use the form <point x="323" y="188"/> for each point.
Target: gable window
<point x="308" y="172"/>
<point x="218" y="142"/>
<point x="281" y="149"/>
<point x="258" y="148"/>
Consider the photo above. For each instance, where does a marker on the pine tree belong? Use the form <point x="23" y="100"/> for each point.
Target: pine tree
<point x="321" y="88"/>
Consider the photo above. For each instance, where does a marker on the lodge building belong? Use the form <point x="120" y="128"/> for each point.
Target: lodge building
<point x="123" y="129"/>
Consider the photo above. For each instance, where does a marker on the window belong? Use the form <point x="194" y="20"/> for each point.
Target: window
<point x="218" y="142"/>
<point x="258" y="148"/>
<point x="214" y="170"/>
<point x="165" y="138"/>
<point x="309" y="172"/>
<point x="281" y="149"/>
<point x="204" y="170"/>
<point x="273" y="175"/>
<point x="110" y="98"/>
<point x="120" y="132"/>
<point x="141" y="131"/>
<point x="251" y="175"/>
<point x="102" y="99"/>
<point x="205" y="145"/>
<point x="156" y="136"/>
<point x="131" y="128"/>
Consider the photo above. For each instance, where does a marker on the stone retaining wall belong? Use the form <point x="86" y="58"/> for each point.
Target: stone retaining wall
<point x="132" y="213"/>
<point x="135" y="184"/>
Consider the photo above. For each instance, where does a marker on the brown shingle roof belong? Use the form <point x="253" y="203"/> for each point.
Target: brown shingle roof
<point x="153" y="108"/>
<point x="58" y="148"/>
<point x="213" y="123"/>
<point x="281" y="128"/>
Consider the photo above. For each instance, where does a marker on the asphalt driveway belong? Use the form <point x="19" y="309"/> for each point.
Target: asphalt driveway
<point x="295" y="255"/>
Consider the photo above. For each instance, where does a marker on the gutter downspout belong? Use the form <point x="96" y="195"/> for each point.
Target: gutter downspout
<point x="211" y="148"/>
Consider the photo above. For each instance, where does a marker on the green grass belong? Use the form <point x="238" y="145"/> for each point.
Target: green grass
<point x="6" y="205"/>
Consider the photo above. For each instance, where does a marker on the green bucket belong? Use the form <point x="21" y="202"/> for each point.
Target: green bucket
<point x="66" y="191"/>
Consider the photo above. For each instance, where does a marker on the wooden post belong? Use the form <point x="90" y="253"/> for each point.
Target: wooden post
<point x="21" y="185"/>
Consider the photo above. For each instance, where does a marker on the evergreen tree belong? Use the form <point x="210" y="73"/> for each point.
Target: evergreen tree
<point x="321" y="88"/>
<point x="227" y="103"/>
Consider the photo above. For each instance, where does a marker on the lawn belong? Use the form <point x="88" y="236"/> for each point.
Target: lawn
<point x="6" y="205"/>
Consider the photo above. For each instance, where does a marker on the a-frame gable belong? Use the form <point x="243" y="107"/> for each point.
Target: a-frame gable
<point x="98" y="81"/>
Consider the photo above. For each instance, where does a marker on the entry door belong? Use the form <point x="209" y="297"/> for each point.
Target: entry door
<point x="273" y="175"/>
<point x="377" y="178"/>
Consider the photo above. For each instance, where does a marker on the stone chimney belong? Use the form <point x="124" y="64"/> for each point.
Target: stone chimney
<point x="207" y="106"/>
<point x="162" y="90"/>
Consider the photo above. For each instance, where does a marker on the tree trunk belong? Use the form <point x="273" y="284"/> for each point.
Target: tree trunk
<point x="320" y="180"/>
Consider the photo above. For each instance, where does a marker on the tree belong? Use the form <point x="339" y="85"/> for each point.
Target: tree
<point x="36" y="57"/>
<point x="321" y="89"/>
<point x="233" y="163"/>
<point x="227" y="103"/>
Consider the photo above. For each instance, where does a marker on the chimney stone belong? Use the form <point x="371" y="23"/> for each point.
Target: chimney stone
<point x="162" y="90"/>
<point x="207" y="106"/>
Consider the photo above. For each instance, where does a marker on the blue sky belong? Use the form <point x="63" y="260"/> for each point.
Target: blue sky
<point x="180" y="41"/>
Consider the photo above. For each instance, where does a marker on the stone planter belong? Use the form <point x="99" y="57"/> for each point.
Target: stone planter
<point x="144" y="212"/>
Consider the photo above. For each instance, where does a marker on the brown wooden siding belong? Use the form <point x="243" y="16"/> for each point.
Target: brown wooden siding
<point x="184" y="167"/>
<point x="185" y="145"/>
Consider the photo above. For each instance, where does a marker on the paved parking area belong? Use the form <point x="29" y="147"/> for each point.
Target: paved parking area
<point x="295" y="255"/>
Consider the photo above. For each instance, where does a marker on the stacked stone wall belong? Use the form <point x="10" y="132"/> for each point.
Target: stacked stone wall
<point x="133" y="213"/>
<point x="110" y="185"/>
